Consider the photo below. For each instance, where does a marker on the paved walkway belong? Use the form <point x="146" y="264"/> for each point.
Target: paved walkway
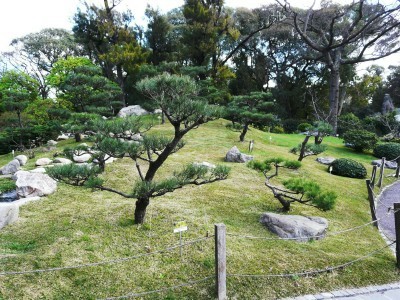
<point x="389" y="195"/>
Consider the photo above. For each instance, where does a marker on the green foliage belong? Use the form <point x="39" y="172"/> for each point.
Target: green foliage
<point x="312" y="192"/>
<point x="360" y="140"/>
<point x="74" y="174"/>
<point x="348" y="122"/>
<point x="310" y="149"/>
<point x="388" y="150"/>
<point x="177" y="97"/>
<point x="290" y="125"/>
<point x="302" y="127"/>
<point x="266" y="165"/>
<point x="348" y="168"/>
<point x="7" y="185"/>
<point x="277" y="129"/>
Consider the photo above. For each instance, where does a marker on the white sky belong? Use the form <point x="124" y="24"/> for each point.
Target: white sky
<point x="21" y="17"/>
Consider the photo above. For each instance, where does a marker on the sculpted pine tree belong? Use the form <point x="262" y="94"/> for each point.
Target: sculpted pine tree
<point x="176" y="96"/>
<point x="339" y="35"/>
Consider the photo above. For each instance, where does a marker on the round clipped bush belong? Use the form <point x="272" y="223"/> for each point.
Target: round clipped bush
<point x="388" y="150"/>
<point x="360" y="140"/>
<point x="304" y="127"/>
<point x="348" y="168"/>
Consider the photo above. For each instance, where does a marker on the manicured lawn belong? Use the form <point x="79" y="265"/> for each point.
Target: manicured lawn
<point x="77" y="226"/>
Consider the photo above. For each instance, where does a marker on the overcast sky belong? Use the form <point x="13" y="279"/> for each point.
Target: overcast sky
<point x="21" y="17"/>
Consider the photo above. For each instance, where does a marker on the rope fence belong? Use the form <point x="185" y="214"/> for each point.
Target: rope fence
<point x="316" y="272"/>
<point x="164" y="289"/>
<point x="112" y="261"/>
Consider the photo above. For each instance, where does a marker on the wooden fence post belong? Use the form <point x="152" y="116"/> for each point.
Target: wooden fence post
<point x="373" y="175"/>
<point x="220" y="260"/>
<point x="398" y="167"/>
<point x="371" y="199"/>
<point x="396" y="207"/>
<point x="381" y="173"/>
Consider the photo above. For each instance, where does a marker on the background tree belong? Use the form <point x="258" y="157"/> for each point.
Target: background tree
<point x="110" y="40"/>
<point x="80" y="82"/>
<point x="36" y="53"/>
<point x="340" y="35"/>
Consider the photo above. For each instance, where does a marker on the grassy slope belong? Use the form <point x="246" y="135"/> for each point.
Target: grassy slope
<point x="75" y="226"/>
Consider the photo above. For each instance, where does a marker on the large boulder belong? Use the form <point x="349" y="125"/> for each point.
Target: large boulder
<point x="62" y="161"/>
<point x="51" y="143"/>
<point x="8" y="213"/>
<point x="234" y="155"/>
<point x="296" y="227"/>
<point x="34" y="184"/>
<point x="10" y="168"/>
<point x="325" y="160"/>
<point x="388" y="164"/>
<point x="23" y="159"/>
<point x="132" y="110"/>
<point x="43" y="162"/>
<point x="82" y="158"/>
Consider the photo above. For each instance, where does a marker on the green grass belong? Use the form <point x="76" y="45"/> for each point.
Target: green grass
<point x="6" y="185"/>
<point x="75" y="226"/>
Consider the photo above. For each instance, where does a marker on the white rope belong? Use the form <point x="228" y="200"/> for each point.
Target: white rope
<point x="112" y="261"/>
<point x="133" y="295"/>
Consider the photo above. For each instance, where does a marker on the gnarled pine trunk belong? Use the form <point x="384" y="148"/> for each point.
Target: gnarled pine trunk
<point x="140" y="210"/>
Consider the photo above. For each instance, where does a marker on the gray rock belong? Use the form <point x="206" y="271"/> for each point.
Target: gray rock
<point x="38" y="170"/>
<point x="299" y="227"/>
<point x="137" y="137"/>
<point x="205" y="164"/>
<point x="234" y="155"/>
<point x="157" y="111"/>
<point x="8" y="213"/>
<point x="325" y="160"/>
<point x="62" y="161"/>
<point x="133" y="110"/>
<point x="51" y="143"/>
<point x="22" y="159"/>
<point x="62" y="137"/>
<point x="388" y="164"/>
<point x="34" y="184"/>
<point x="43" y="162"/>
<point x="82" y="158"/>
<point x="10" y="168"/>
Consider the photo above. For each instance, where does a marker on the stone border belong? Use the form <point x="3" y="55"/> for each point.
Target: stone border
<point x="349" y="292"/>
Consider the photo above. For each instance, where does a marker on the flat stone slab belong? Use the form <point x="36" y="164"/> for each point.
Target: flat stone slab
<point x="43" y="162"/>
<point x="325" y="160"/>
<point x="295" y="227"/>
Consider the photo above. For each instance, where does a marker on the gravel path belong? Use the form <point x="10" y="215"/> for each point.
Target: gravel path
<point x="390" y="195"/>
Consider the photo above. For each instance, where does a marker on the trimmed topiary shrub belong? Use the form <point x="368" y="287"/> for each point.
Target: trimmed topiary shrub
<point x="388" y="150"/>
<point x="360" y="140"/>
<point x="348" y="168"/>
<point x="304" y="127"/>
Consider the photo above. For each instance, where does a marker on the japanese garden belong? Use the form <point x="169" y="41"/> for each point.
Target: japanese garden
<point x="212" y="153"/>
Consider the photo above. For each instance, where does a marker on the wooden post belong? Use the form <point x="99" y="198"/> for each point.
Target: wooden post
<point x="381" y="172"/>
<point x="371" y="202"/>
<point x="398" y="167"/>
<point x="220" y="260"/>
<point x="396" y="207"/>
<point x="373" y="176"/>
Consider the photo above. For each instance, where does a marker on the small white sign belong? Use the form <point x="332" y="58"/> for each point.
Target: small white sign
<point x="180" y="226"/>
